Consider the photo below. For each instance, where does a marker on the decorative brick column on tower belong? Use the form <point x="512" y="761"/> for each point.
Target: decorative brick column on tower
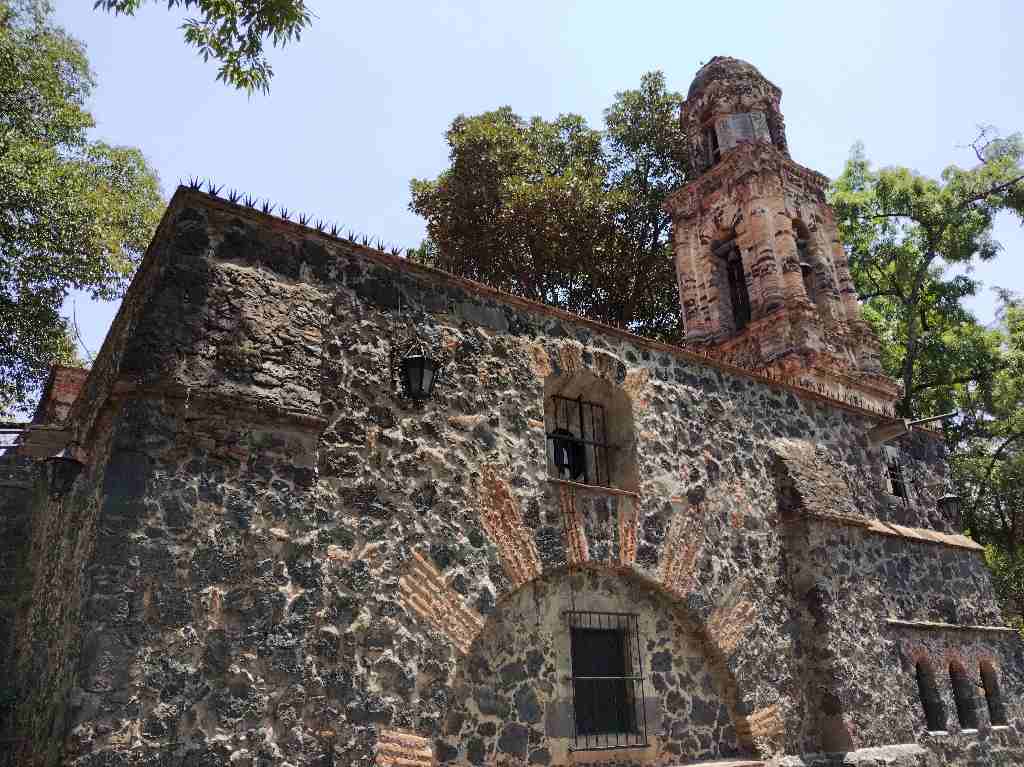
<point x="763" y="278"/>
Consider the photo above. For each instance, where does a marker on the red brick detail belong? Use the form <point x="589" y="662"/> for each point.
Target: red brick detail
<point x="572" y="520"/>
<point x="396" y="748"/>
<point x="728" y="624"/>
<point x="502" y="519"/>
<point x="764" y="724"/>
<point x="424" y="590"/>
<point x="682" y="546"/>
<point x="628" y="521"/>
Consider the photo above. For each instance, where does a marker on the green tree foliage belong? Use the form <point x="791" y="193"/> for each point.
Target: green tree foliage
<point x="560" y="212"/>
<point x="988" y="462"/>
<point x="902" y="231"/>
<point x="234" y="33"/>
<point x="74" y="213"/>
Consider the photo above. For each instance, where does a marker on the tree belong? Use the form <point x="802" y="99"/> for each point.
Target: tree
<point x="988" y="462"/>
<point x="562" y="213"/>
<point x="234" y="33"/>
<point x="901" y="230"/>
<point x="74" y="213"/>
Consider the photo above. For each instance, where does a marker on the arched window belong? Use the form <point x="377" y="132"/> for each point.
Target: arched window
<point x="963" y="694"/>
<point x="589" y="425"/>
<point x="990" y="681"/>
<point x="735" y="292"/>
<point x="803" y="249"/>
<point x="934" y="711"/>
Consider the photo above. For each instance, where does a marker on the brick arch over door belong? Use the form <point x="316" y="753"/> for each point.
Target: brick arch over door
<point x="574" y="531"/>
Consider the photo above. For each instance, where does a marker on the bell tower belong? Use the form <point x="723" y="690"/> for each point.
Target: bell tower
<point x="763" y="279"/>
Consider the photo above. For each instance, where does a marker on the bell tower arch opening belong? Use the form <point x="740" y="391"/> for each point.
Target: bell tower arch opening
<point x="734" y="296"/>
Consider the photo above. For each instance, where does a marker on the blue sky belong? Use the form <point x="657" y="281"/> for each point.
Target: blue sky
<point x="360" y="105"/>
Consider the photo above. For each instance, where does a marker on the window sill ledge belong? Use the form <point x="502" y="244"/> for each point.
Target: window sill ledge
<point x="595" y="489"/>
<point x="623" y="747"/>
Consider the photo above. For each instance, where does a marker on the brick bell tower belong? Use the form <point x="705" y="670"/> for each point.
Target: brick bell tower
<point x="763" y="278"/>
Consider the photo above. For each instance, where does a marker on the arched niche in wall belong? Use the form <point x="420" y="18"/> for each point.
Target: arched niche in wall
<point x="928" y="693"/>
<point x="814" y="269"/>
<point x="577" y="662"/>
<point x="963" y="695"/>
<point x="589" y="426"/>
<point x="731" y="278"/>
<point x="993" y="695"/>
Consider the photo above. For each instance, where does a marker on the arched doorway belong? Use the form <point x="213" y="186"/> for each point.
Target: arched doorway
<point x="589" y="661"/>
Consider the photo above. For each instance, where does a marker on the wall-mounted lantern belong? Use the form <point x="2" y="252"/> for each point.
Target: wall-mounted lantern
<point x="418" y="372"/>
<point x="949" y="506"/>
<point x="64" y="468"/>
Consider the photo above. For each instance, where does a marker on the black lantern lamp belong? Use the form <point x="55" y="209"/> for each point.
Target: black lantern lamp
<point x="949" y="506"/>
<point x="569" y="457"/>
<point x="64" y="469"/>
<point x="419" y="372"/>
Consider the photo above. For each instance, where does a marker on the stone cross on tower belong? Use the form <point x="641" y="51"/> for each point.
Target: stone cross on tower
<point x="763" y="278"/>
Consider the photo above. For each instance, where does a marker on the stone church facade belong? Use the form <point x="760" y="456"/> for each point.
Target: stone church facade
<point x="583" y="547"/>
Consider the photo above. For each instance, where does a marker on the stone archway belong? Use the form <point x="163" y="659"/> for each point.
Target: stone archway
<point x="513" y="693"/>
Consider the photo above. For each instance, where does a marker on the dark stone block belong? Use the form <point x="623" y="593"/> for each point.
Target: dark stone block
<point x="661" y="661"/>
<point x="445" y="752"/>
<point x="527" y="705"/>
<point x="475" y="751"/>
<point x="540" y="756"/>
<point x="514" y="739"/>
<point x="513" y="673"/>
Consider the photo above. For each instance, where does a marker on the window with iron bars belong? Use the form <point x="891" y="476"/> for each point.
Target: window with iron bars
<point x="578" y="441"/>
<point x="607" y="681"/>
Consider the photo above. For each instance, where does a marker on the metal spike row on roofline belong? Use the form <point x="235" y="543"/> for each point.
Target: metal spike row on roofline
<point x="303" y="219"/>
<point x="334" y="230"/>
<point x="212" y="190"/>
<point x="285" y="214"/>
<point x="320" y="225"/>
<point x="234" y="196"/>
<point x="267" y="207"/>
<point x="249" y="202"/>
<point x="194" y="182"/>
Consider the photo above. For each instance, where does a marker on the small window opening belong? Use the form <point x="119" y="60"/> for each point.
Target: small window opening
<point x="588" y="424"/>
<point x="739" y="298"/>
<point x="963" y="694"/>
<point x="934" y="711"/>
<point x="712" y="152"/>
<point x="607" y="681"/>
<point x="807" y="270"/>
<point x="894" y="469"/>
<point x="990" y="681"/>
<point x="578" y="442"/>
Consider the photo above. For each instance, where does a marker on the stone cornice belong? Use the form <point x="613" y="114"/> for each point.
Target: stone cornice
<point x="744" y="160"/>
<point x="936" y="626"/>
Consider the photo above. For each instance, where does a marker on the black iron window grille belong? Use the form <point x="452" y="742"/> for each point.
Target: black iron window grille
<point x="607" y="681"/>
<point x="578" y="441"/>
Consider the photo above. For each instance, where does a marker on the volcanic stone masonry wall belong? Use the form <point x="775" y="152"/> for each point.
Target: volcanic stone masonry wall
<point x="275" y="560"/>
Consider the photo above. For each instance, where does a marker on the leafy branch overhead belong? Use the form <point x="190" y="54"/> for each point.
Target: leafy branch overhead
<point x="74" y="213"/>
<point x="902" y="230"/>
<point x="234" y="33"/>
